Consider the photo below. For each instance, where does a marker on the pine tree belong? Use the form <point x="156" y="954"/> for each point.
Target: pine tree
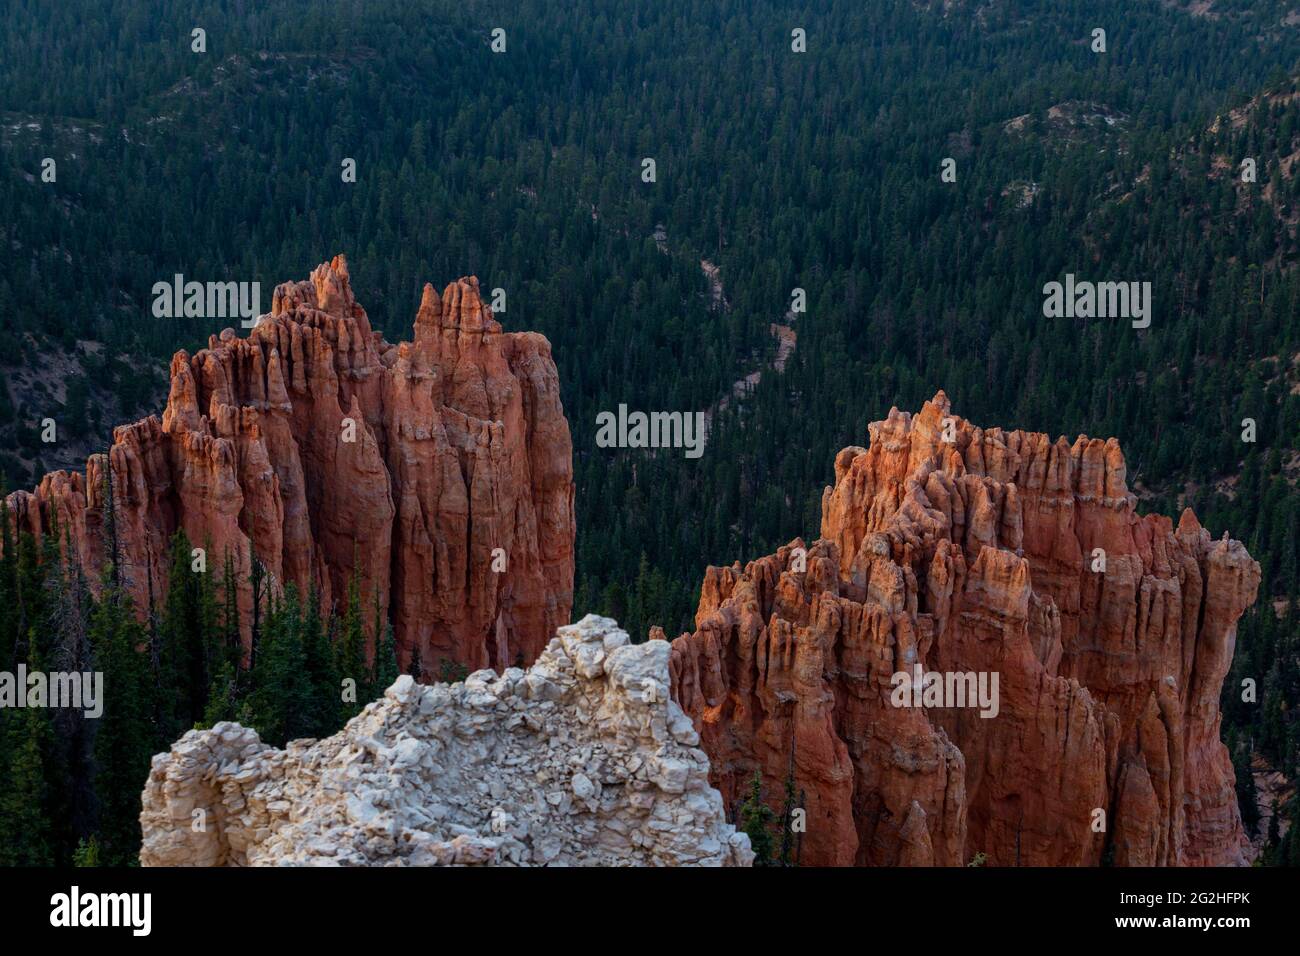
<point x="413" y="665"/>
<point x="450" y="671"/>
<point x="1273" y="842"/>
<point x="756" y="820"/>
<point x="210" y="640"/>
<point x="230" y="623"/>
<point x="87" y="853"/>
<point x="48" y="584"/>
<point x="281" y="699"/>
<point x="319" y="674"/>
<point x="351" y="650"/>
<point x="1247" y="798"/>
<point x="25" y="832"/>
<point x="180" y="682"/>
<point x="30" y="595"/>
<point x="222" y="697"/>
<point x="69" y="755"/>
<point x="257" y="578"/>
<point x="124" y="732"/>
<point x="385" y="663"/>
<point x="787" y="813"/>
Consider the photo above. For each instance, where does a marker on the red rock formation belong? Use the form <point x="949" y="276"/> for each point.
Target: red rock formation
<point x="314" y="443"/>
<point x="976" y="554"/>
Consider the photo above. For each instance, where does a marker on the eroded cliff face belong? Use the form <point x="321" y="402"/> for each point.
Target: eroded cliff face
<point x="318" y="446"/>
<point x="972" y="550"/>
<point x="582" y="760"/>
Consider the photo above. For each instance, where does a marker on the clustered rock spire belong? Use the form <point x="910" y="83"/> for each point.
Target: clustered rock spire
<point x="976" y="555"/>
<point x="943" y="546"/>
<point x="459" y="447"/>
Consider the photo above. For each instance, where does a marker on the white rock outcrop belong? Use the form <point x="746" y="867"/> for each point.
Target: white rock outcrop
<point x="583" y="759"/>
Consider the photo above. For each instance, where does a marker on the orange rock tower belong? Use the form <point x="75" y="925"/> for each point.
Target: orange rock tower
<point x="976" y="554"/>
<point x="319" y="447"/>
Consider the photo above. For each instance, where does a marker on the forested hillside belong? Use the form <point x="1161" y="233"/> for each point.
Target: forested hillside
<point x="816" y="170"/>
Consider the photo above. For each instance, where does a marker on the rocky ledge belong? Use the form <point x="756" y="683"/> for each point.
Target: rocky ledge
<point x="583" y="759"/>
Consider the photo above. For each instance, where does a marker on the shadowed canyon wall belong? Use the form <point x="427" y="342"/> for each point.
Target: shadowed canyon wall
<point x="320" y="447"/>
<point x="970" y="550"/>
